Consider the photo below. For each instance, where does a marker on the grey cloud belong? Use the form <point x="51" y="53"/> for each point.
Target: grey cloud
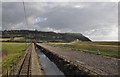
<point x="12" y="14"/>
<point x="0" y="16"/>
<point x="61" y="0"/>
<point x="64" y="17"/>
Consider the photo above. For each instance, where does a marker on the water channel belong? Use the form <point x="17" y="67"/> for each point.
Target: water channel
<point x="48" y="66"/>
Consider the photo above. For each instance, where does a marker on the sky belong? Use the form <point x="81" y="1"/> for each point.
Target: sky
<point x="96" y="20"/>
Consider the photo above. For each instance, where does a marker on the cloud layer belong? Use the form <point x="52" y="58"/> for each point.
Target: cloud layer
<point x="60" y="0"/>
<point x="97" y="20"/>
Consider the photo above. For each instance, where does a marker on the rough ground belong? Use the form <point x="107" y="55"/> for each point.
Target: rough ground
<point x="0" y="65"/>
<point x="97" y="63"/>
<point x="35" y="66"/>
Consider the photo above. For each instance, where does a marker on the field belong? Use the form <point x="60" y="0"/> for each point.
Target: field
<point x="13" y="39"/>
<point x="4" y="39"/>
<point x="19" y="38"/>
<point x="100" y="48"/>
<point x="11" y="52"/>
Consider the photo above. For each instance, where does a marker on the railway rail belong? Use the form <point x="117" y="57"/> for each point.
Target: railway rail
<point x="25" y="65"/>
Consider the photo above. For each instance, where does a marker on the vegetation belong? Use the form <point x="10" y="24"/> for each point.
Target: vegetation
<point x="19" y="38"/>
<point x="100" y="48"/>
<point x="4" y="39"/>
<point x="13" y="39"/>
<point x="11" y="53"/>
<point x="44" y="36"/>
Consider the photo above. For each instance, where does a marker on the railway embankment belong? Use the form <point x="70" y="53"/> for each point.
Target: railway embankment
<point x="69" y="68"/>
<point x="29" y="65"/>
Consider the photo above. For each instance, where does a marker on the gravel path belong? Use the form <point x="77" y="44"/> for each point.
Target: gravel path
<point x="35" y="66"/>
<point x="97" y="63"/>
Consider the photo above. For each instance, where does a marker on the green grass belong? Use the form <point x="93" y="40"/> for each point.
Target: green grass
<point x="102" y="48"/>
<point x="14" y="51"/>
<point x="13" y="47"/>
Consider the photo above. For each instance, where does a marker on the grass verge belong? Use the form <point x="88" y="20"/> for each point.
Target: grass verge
<point x="11" y="52"/>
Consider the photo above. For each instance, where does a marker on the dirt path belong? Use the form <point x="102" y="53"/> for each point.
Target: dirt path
<point x="35" y="66"/>
<point x="97" y="63"/>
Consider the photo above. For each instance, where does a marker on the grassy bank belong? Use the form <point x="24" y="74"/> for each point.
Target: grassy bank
<point x="11" y="53"/>
<point x="100" y="48"/>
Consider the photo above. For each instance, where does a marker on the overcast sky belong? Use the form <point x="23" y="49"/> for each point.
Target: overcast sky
<point x="96" y="20"/>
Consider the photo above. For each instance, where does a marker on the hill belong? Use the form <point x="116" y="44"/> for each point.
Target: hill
<point x="44" y="36"/>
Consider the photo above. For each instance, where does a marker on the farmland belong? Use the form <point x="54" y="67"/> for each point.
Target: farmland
<point x="4" y="39"/>
<point x="13" y="39"/>
<point x="19" y="38"/>
<point x="100" y="48"/>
